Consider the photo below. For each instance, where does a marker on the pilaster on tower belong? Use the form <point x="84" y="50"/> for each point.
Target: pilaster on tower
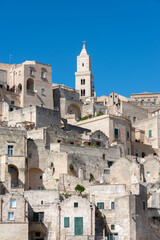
<point x="84" y="77"/>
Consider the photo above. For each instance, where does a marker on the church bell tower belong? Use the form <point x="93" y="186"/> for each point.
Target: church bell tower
<point x="83" y="76"/>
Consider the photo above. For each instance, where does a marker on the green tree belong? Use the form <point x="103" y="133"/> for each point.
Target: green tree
<point x="79" y="188"/>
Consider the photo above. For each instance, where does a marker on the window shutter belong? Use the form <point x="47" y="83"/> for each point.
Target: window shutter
<point x="66" y="222"/>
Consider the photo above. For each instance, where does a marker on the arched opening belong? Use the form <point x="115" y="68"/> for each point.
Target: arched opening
<point x="74" y="109"/>
<point x="35" y="179"/>
<point x="143" y="154"/>
<point x="19" y="87"/>
<point x="30" y="85"/>
<point x="13" y="171"/>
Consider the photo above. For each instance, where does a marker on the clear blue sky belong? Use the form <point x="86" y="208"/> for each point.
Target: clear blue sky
<point x="122" y="37"/>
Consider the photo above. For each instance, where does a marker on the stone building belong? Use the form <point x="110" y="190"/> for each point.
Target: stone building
<point x="54" y="138"/>
<point x="13" y="217"/>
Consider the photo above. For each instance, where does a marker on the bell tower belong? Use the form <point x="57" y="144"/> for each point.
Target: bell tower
<point x="83" y="76"/>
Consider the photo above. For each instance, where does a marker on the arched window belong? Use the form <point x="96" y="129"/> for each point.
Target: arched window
<point x="13" y="171"/>
<point x="19" y="87"/>
<point x="30" y="85"/>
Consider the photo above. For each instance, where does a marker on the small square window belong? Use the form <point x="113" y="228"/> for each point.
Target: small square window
<point x="12" y="185"/>
<point x="31" y="72"/>
<point x="42" y="91"/>
<point x="112" y="205"/>
<point x="11" y="216"/>
<point x="12" y="203"/>
<point x="134" y="119"/>
<point x="112" y="227"/>
<point x="76" y="204"/>
<point x="12" y="102"/>
<point x="42" y="74"/>
<point x="106" y="171"/>
<point x="10" y="150"/>
<point x="148" y="174"/>
<point x="30" y="155"/>
<point x="100" y="205"/>
<point x="41" y="202"/>
<point x="40" y="177"/>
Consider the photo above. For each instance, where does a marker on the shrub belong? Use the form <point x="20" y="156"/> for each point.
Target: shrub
<point x="79" y="188"/>
<point x="91" y="177"/>
<point x="99" y="114"/>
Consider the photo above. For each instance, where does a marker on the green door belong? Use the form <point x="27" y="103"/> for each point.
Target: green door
<point x="78" y="226"/>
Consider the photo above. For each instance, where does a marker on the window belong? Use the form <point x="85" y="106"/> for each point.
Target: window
<point x="1" y="86"/>
<point x="144" y="206"/>
<point x="82" y="64"/>
<point x="10" y="150"/>
<point x="76" y="204"/>
<point x="128" y="151"/>
<point x="100" y="205"/>
<point x="110" y="164"/>
<point x="116" y="133"/>
<point x="38" y="217"/>
<point x="136" y="153"/>
<point x="148" y="174"/>
<point x="82" y="92"/>
<point x="82" y="81"/>
<point x="66" y="222"/>
<point x="99" y="136"/>
<point x="30" y="155"/>
<point x="103" y="156"/>
<point x="128" y="137"/>
<point x="129" y="118"/>
<point x="11" y="216"/>
<point x="112" y="227"/>
<point x="134" y="119"/>
<point x="155" y="101"/>
<point x="42" y="74"/>
<point x="12" y="102"/>
<point x="31" y="72"/>
<point x="106" y="171"/>
<point x="112" y="205"/>
<point x="12" y="185"/>
<point x="12" y="203"/>
<point x="149" y="133"/>
<point x="42" y="91"/>
<point x="40" y="177"/>
<point x="11" y="169"/>
<point x="41" y="202"/>
<point x="37" y="234"/>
